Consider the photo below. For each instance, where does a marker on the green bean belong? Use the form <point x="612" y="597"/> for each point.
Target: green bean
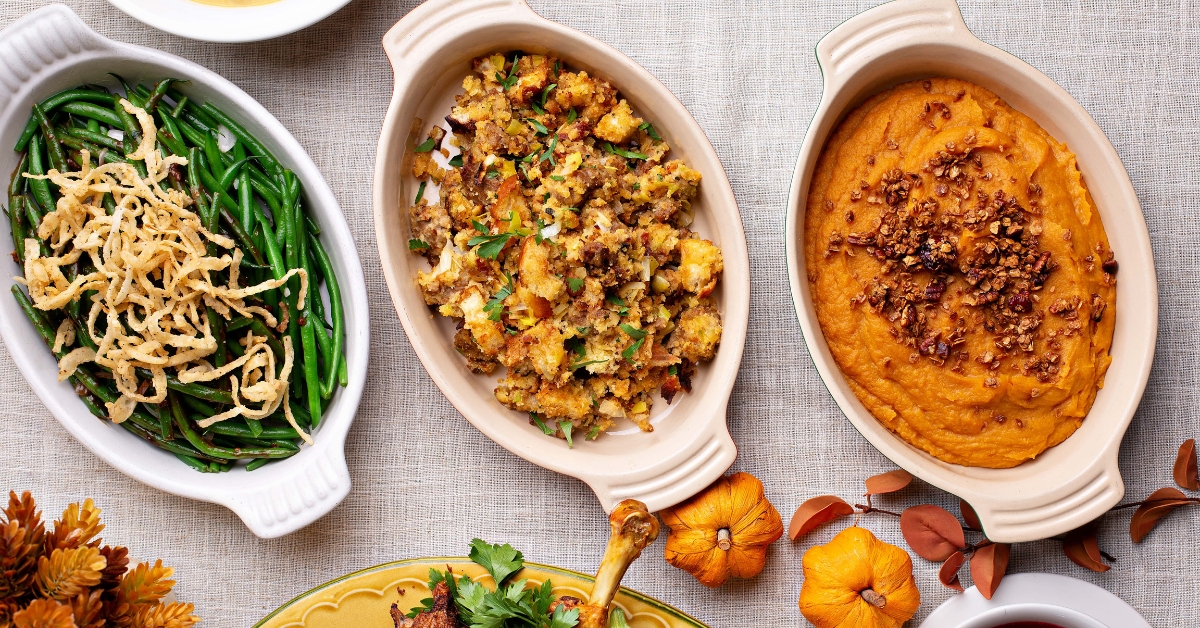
<point x="91" y="125"/>
<point x="133" y="131"/>
<point x="195" y="439"/>
<point x="58" y="160"/>
<point x="78" y="144"/>
<point x="213" y="153"/>
<point x="95" y="112"/>
<point x="196" y="390"/>
<point x="170" y="138"/>
<point x="237" y="349"/>
<point x="232" y="429"/>
<point x="39" y="187"/>
<point x="339" y="317"/>
<point x="257" y="463"/>
<point x="193" y="136"/>
<point x="100" y="139"/>
<point x="53" y="102"/>
<point x="16" y="182"/>
<point x="232" y="173"/>
<point x="241" y="235"/>
<point x="311" y="379"/>
<point x="252" y="144"/>
<point x="33" y="212"/>
<point x="217" y="328"/>
<point x="160" y="89"/>
<point x="178" y="108"/>
<point x="273" y="254"/>
<point x="194" y="463"/>
<point x="16" y="212"/>
<point x="110" y="205"/>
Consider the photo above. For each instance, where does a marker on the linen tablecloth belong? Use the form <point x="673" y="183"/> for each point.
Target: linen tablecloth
<point x="426" y="482"/>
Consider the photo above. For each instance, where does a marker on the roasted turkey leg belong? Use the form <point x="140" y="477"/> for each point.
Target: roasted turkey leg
<point x="633" y="528"/>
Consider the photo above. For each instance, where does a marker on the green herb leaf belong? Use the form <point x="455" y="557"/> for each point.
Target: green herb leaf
<point x="621" y="152"/>
<point x="632" y="349"/>
<point x="541" y="426"/>
<point x="620" y="303"/>
<point x="637" y="186"/>
<point x="499" y="560"/>
<point x="546" y="92"/>
<point x="495" y="307"/>
<point x="425" y="147"/>
<point x="571" y="115"/>
<point x="579" y="365"/>
<point x="490" y="246"/>
<point x="633" y="332"/>
<point x="574" y="284"/>
<point x="420" y="193"/>
<point x="566" y="427"/>
<point x="593" y="433"/>
<point x="456" y="161"/>
<point x="575" y="345"/>
<point x="563" y="618"/>
<point x="537" y="235"/>
<point x="583" y="331"/>
<point x="549" y="154"/>
<point x="417" y="244"/>
<point x="558" y="177"/>
<point x="492" y="174"/>
<point x="649" y="129"/>
<point x="672" y="370"/>
<point x="538" y="126"/>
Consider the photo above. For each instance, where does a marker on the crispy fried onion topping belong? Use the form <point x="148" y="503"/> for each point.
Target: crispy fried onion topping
<point x="153" y="280"/>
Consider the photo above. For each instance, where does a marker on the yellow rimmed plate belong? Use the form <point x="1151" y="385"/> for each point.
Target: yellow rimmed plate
<point x="363" y="599"/>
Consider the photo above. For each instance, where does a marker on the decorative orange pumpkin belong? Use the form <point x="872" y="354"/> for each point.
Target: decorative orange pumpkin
<point x="858" y="581"/>
<point x="723" y="531"/>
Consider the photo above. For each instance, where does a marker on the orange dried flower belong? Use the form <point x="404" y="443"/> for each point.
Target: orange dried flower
<point x="173" y="615"/>
<point x="43" y="613"/>
<point x="67" y="573"/>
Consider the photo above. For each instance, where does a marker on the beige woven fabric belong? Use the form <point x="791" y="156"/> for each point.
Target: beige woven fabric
<point x="426" y="482"/>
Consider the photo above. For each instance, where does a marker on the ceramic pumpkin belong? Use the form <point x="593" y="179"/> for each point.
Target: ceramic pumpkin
<point x="858" y="581"/>
<point x="723" y="531"/>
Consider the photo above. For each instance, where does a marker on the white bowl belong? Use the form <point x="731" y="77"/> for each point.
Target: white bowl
<point x="1043" y="597"/>
<point x="430" y="50"/>
<point x="52" y="49"/>
<point x="207" y="22"/>
<point x="1076" y="481"/>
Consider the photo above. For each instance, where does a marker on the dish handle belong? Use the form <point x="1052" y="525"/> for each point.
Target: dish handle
<point x="675" y="478"/>
<point x="308" y="491"/>
<point x="886" y="29"/>
<point x="1030" y="518"/>
<point x="38" y="42"/>
<point x="416" y="37"/>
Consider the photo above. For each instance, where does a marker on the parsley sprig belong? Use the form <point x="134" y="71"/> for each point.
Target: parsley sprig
<point x="417" y="244"/>
<point x="649" y="129"/>
<point x="621" y="152"/>
<point x="511" y="604"/>
<point x="491" y="245"/>
<point x="495" y="307"/>
<point x="425" y="147"/>
<point x="638" y="336"/>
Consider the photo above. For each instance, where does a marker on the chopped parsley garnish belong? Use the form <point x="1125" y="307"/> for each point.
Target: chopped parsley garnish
<point x="566" y="427"/>
<point x="456" y="161"/>
<point x="537" y="235"/>
<point x="583" y="331"/>
<point x="591" y="435"/>
<point x="549" y="154"/>
<point x="633" y="332"/>
<point x="557" y="177"/>
<point x="637" y="186"/>
<point x="541" y="426"/>
<point x="538" y="126"/>
<point x="425" y="147"/>
<point x="417" y="244"/>
<point x="495" y="307"/>
<point x="621" y="152"/>
<point x="632" y="349"/>
<point x="420" y="193"/>
<point x="571" y="115"/>
<point x="579" y="365"/>
<point x="511" y="79"/>
<point x="546" y="197"/>
<point x="574" y="284"/>
<point x="576" y="346"/>
<point x="649" y="129"/>
<point x="489" y="245"/>
<point x="672" y="370"/>
<point x="572" y="209"/>
<point x="557" y="67"/>
<point x="492" y="174"/>
<point x="546" y="92"/>
<point x="527" y="158"/>
<point x="510" y="604"/>
<point x="620" y="303"/>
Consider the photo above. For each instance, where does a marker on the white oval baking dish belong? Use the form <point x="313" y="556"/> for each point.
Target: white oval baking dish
<point x="431" y="50"/>
<point x="206" y="22"/>
<point x="1078" y="480"/>
<point x="52" y="49"/>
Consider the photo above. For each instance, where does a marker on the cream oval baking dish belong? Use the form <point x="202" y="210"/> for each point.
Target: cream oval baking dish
<point x="431" y="51"/>
<point x="51" y="49"/>
<point x="1076" y="481"/>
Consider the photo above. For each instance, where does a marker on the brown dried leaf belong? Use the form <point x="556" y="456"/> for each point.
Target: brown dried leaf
<point x="932" y="532"/>
<point x="969" y="515"/>
<point x="816" y="511"/>
<point x="1185" y="466"/>
<point x="988" y="565"/>
<point x="1159" y="504"/>
<point x="889" y="482"/>
<point x="1081" y="547"/>
<point x="948" y="574"/>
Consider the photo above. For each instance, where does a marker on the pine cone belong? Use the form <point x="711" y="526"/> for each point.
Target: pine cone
<point x="173" y="615"/>
<point x="77" y="527"/>
<point x="18" y="560"/>
<point x="44" y="614"/>
<point x="88" y="610"/>
<point x="68" y="573"/>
